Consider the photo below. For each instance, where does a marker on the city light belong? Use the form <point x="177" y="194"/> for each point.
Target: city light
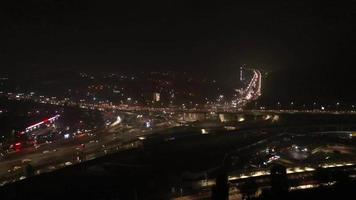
<point x="177" y="100"/>
<point x="118" y="121"/>
<point x="204" y="131"/>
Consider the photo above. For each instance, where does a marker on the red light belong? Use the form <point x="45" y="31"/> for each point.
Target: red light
<point x="17" y="146"/>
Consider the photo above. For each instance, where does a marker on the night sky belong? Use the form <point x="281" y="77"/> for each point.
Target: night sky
<point x="307" y="47"/>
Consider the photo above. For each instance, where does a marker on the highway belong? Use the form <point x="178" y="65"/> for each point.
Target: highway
<point x="60" y="153"/>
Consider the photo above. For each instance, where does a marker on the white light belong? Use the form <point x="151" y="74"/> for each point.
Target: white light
<point x="68" y="163"/>
<point x="203" y="131"/>
<point x="243" y="176"/>
<point x="297" y="169"/>
<point x="348" y="164"/>
<point x="118" y="121"/>
<point x="275" y="118"/>
<point x="141" y="138"/>
<point x="309" y="169"/>
<point x="267" y="117"/>
<point x="66" y="136"/>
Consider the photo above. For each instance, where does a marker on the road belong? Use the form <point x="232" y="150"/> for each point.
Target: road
<point x="49" y="157"/>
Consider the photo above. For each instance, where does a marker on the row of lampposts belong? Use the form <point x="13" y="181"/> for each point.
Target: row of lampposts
<point x="292" y="105"/>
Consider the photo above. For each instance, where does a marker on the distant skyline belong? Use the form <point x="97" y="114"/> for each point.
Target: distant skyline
<point x="307" y="46"/>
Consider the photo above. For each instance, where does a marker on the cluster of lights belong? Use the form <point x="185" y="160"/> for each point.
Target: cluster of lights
<point x="289" y="171"/>
<point x="37" y="125"/>
<point x="337" y="165"/>
<point x="251" y="92"/>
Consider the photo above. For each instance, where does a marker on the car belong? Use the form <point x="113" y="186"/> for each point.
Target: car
<point x="51" y="167"/>
<point x="68" y="163"/>
<point x="26" y="160"/>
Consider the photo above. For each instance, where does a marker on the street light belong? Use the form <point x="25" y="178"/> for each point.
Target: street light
<point x="337" y="105"/>
<point x="291" y="104"/>
<point x="314" y="105"/>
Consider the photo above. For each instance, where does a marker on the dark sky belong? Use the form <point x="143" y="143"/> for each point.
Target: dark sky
<point x="306" y="45"/>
